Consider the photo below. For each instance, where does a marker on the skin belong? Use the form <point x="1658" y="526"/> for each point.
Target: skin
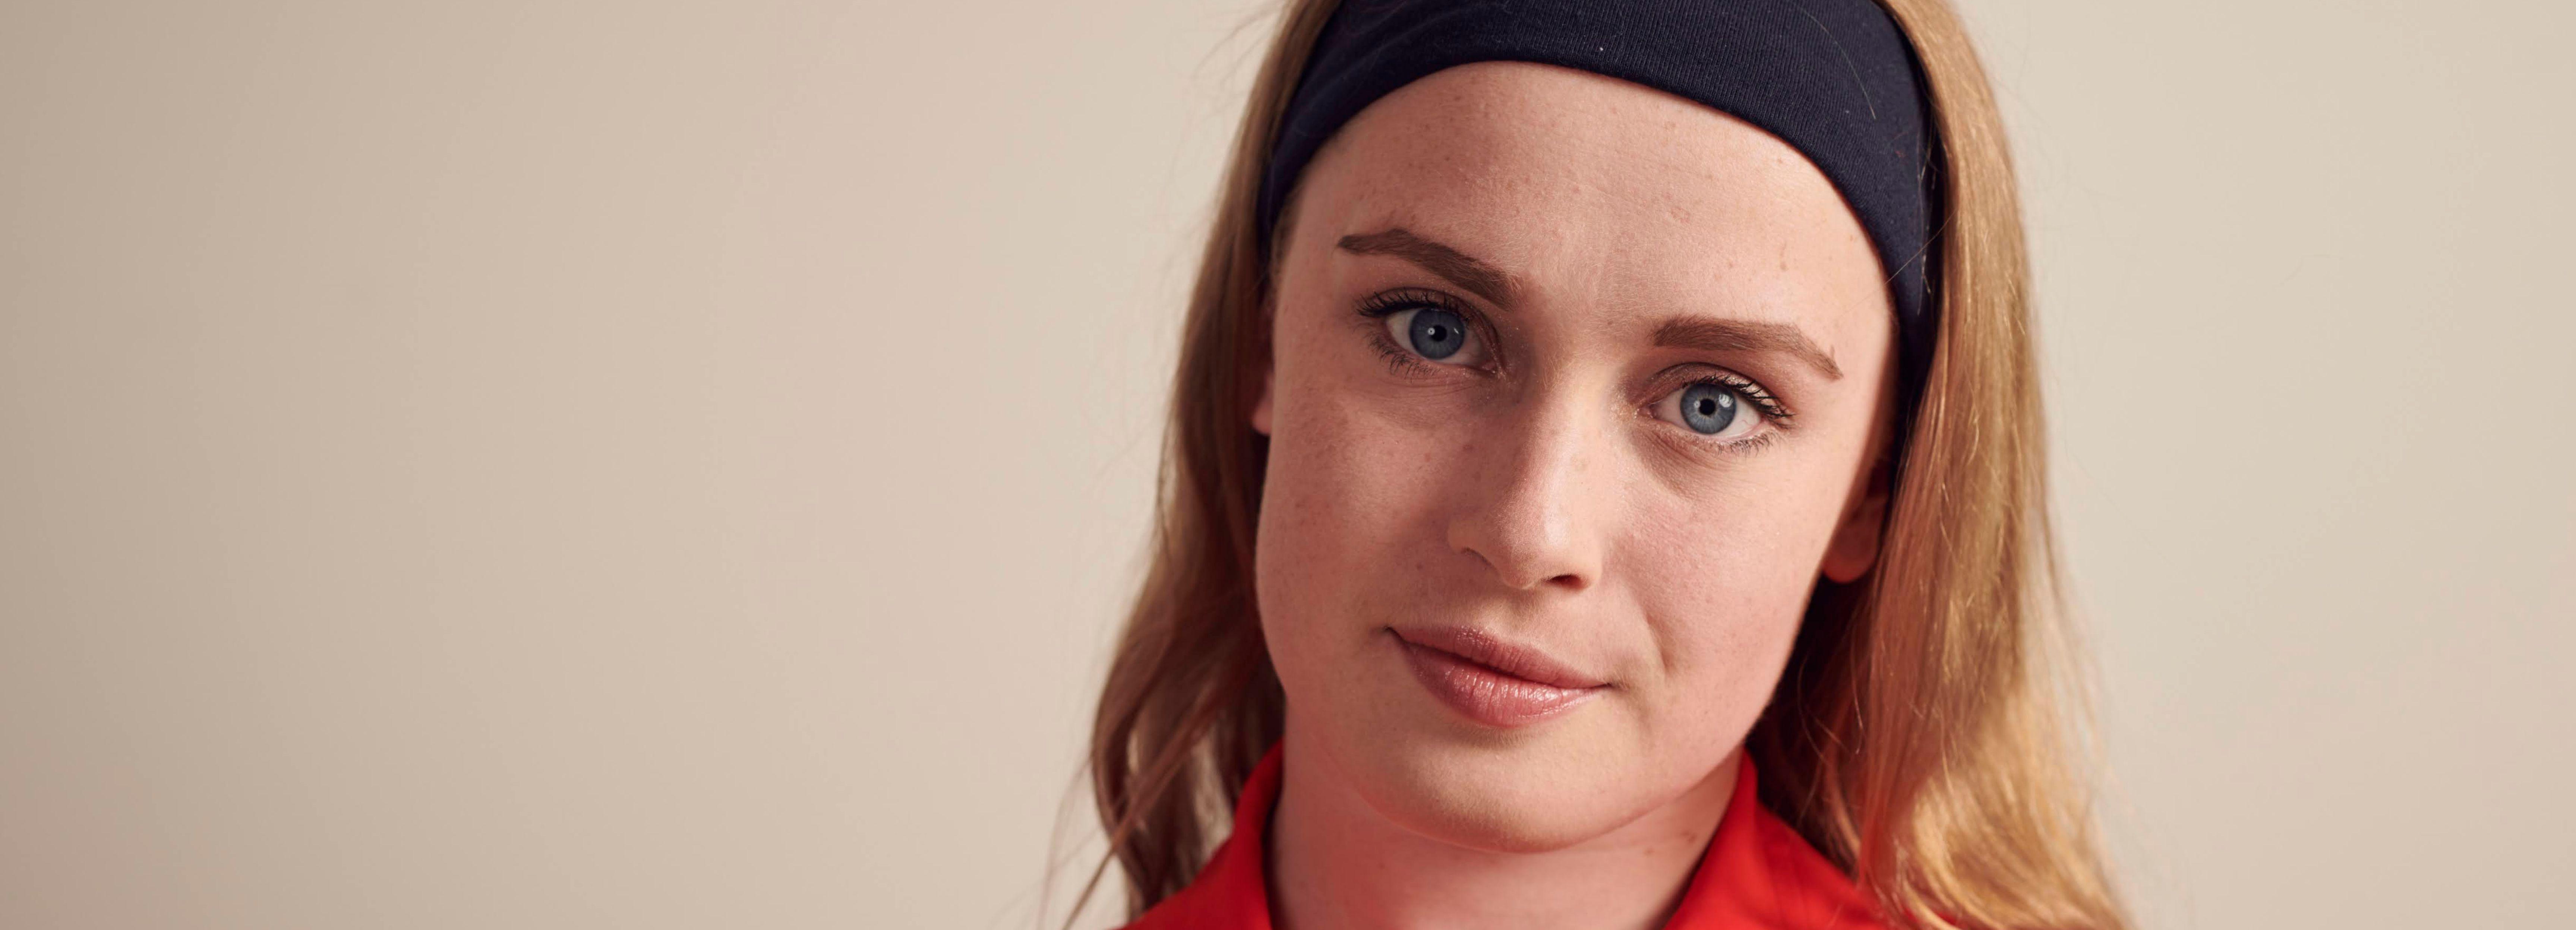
<point x="1538" y="486"/>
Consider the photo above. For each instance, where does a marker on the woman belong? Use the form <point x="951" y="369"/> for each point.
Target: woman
<point x="1604" y="491"/>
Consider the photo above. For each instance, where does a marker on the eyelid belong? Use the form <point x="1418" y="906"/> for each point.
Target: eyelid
<point x="1771" y="418"/>
<point x="1775" y="417"/>
<point x="1389" y="302"/>
<point x="1386" y="302"/>
<point x="1752" y="391"/>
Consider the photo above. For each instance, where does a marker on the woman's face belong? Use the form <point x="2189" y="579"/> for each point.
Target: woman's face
<point x="1576" y="391"/>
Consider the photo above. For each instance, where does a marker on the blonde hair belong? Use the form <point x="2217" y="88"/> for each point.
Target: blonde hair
<point x="1919" y="736"/>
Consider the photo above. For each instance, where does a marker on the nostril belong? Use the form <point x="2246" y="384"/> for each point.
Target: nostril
<point x="1521" y="577"/>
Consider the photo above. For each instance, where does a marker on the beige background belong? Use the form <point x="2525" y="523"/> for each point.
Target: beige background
<point x="660" y="464"/>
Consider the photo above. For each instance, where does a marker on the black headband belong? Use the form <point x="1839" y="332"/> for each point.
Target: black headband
<point x="1835" y="79"/>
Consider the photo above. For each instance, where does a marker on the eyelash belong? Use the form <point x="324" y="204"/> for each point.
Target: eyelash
<point x="1749" y="390"/>
<point x="1379" y="306"/>
<point x="1400" y="360"/>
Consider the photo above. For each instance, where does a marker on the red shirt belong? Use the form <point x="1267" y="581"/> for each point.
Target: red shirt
<point x="1758" y="874"/>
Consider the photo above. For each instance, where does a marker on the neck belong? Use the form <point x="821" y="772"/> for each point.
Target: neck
<point x="1337" y="864"/>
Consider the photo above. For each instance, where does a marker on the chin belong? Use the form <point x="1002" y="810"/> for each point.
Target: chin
<point x="1503" y="804"/>
<point x="1548" y="786"/>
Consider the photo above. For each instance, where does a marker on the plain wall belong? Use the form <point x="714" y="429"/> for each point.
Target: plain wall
<point x="680" y="464"/>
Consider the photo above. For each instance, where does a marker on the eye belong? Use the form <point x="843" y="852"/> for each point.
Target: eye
<point x="1435" y="333"/>
<point x="1709" y="408"/>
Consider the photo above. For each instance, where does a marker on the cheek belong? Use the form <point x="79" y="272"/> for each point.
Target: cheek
<point x="1345" y="511"/>
<point x="1721" y="583"/>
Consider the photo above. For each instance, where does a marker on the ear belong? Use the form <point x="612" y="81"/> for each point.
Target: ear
<point x="1855" y="544"/>
<point x="1261" y="408"/>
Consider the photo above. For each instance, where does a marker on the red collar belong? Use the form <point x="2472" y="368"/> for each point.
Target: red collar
<point x="1758" y="874"/>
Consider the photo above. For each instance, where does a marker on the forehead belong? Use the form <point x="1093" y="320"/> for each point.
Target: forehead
<point x="1587" y="184"/>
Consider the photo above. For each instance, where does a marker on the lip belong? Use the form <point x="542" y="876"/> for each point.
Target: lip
<point x="1492" y="681"/>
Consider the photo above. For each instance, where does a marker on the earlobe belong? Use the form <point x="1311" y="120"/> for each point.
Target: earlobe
<point x="1855" y="544"/>
<point x="1261" y="408"/>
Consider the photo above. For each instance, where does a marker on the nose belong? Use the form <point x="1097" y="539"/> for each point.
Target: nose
<point x="1527" y="508"/>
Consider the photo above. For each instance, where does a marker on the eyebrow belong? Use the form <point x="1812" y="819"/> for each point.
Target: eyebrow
<point x="1461" y="269"/>
<point x="1717" y="335"/>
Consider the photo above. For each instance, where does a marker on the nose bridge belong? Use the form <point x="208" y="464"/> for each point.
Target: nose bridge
<point x="1531" y="511"/>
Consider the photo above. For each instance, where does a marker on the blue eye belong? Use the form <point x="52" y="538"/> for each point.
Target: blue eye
<point x="1434" y="333"/>
<point x="1727" y="409"/>
<point x="1708" y="408"/>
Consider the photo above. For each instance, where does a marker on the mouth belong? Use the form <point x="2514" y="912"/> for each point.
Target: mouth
<point x="1491" y="681"/>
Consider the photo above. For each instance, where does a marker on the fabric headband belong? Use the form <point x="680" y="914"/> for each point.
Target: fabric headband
<point x="1835" y="79"/>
